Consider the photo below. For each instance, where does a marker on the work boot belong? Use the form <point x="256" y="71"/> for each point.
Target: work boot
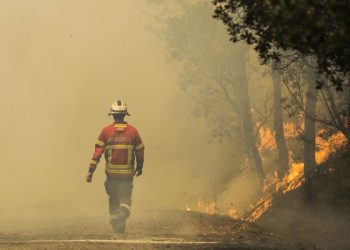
<point x="119" y="227"/>
<point x="118" y="223"/>
<point x="120" y="219"/>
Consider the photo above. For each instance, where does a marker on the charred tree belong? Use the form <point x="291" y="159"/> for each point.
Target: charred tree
<point x="283" y="155"/>
<point x="310" y="133"/>
<point x="247" y="120"/>
<point x="347" y="106"/>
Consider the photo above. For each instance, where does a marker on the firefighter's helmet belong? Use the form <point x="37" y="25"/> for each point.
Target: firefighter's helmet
<point x="118" y="107"/>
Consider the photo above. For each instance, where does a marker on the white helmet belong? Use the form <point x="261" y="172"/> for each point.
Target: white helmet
<point x="118" y="107"/>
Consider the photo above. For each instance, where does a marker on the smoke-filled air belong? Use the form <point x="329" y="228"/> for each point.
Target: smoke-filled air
<point x="186" y="124"/>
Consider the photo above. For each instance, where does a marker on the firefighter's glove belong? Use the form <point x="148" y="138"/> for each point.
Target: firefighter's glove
<point x="90" y="173"/>
<point x="138" y="171"/>
<point x="89" y="177"/>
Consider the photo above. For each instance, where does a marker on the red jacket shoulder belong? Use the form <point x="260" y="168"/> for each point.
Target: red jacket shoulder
<point x="131" y="127"/>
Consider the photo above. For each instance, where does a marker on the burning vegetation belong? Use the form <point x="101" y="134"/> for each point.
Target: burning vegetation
<point x="273" y="185"/>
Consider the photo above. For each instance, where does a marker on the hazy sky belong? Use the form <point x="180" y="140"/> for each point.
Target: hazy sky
<point x="62" y="64"/>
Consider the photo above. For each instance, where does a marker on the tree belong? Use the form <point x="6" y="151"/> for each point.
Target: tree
<point x="283" y="155"/>
<point x="317" y="28"/>
<point x="246" y="115"/>
<point x="309" y="134"/>
<point x="324" y="109"/>
<point x="200" y="45"/>
<point x="337" y="106"/>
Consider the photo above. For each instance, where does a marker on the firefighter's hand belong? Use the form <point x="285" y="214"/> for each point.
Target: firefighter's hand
<point x="138" y="172"/>
<point x="89" y="177"/>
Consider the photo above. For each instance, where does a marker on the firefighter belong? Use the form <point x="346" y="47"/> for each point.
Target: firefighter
<point x="121" y="144"/>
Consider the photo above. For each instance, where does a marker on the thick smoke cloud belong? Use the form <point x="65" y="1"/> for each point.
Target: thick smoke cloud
<point x="62" y="64"/>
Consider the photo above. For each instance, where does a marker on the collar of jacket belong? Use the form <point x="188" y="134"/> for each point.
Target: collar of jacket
<point x="120" y="126"/>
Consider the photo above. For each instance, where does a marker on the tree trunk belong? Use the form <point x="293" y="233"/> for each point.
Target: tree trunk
<point x="246" y="115"/>
<point x="347" y="106"/>
<point x="310" y="132"/>
<point x="278" y="122"/>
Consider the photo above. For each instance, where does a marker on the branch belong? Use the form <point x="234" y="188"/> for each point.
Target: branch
<point x="228" y="97"/>
<point x="301" y="106"/>
<point x="328" y="108"/>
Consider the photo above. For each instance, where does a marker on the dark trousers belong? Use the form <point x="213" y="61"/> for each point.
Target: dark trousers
<point x="119" y="190"/>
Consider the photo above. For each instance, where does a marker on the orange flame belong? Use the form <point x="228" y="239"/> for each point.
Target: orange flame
<point x="208" y="208"/>
<point x="326" y="147"/>
<point x="233" y="213"/>
<point x="295" y="176"/>
<point x="203" y="207"/>
<point x="268" y="141"/>
<point x="260" y="208"/>
<point x="272" y="184"/>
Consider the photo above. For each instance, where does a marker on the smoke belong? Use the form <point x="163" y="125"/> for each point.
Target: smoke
<point x="63" y="63"/>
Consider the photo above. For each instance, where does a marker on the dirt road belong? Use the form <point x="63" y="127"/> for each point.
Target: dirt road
<point x="147" y="230"/>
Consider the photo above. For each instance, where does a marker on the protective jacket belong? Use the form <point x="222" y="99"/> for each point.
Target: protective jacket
<point x="121" y="144"/>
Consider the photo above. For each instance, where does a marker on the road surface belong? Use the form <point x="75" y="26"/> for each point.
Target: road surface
<point x="169" y="229"/>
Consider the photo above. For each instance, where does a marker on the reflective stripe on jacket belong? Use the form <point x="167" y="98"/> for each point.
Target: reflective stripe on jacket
<point x="121" y="144"/>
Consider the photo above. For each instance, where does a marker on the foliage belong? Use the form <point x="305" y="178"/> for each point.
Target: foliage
<point x="314" y="27"/>
<point x="200" y="46"/>
<point x="211" y="68"/>
<point x="332" y="106"/>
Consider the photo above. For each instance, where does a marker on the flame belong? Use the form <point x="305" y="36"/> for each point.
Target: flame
<point x="211" y="208"/>
<point x="292" y="129"/>
<point x="326" y="147"/>
<point x="208" y="208"/>
<point x="272" y="184"/>
<point x="233" y="213"/>
<point x="292" y="180"/>
<point x="295" y="175"/>
<point x="268" y="142"/>
<point x="260" y="208"/>
<point x="188" y="209"/>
